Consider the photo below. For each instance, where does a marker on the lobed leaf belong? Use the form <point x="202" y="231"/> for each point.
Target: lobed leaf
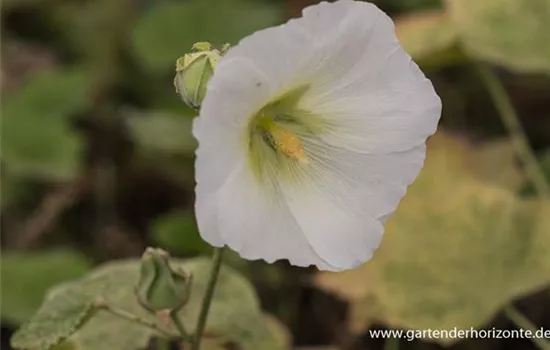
<point x="58" y="318"/>
<point x="512" y="33"/>
<point x="426" y="273"/>
<point x="235" y="312"/>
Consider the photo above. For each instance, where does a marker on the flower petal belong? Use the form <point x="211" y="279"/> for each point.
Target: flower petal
<point x="358" y="74"/>
<point x="375" y="110"/>
<point x="342" y="238"/>
<point x="236" y="92"/>
<point x="346" y="198"/>
<point x="378" y="98"/>
<point x="256" y="225"/>
<point x="364" y="183"/>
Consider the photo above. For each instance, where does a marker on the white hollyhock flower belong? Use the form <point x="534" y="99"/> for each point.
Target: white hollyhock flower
<point x="309" y="135"/>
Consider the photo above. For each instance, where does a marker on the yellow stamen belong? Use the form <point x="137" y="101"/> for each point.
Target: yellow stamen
<point x="287" y="142"/>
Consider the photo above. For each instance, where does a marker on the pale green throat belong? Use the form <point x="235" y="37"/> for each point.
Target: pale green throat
<point x="277" y="138"/>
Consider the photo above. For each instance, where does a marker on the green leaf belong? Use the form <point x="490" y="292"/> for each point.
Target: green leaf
<point x="50" y="94"/>
<point x="169" y="29"/>
<point x="235" y="312"/>
<point x="513" y="33"/>
<point x="37" y="136"/>
<point x="60" y="316"/>
<point x="427" y="272"/>
<point x="38" y="147"/>
<point x="162" y="132"/>
<point x="27" y="276"/>
<point x="114" y="283"/>
<point x="105" y="331"/>
<point x="429" y="37"/>
<point x="178" y="233"/>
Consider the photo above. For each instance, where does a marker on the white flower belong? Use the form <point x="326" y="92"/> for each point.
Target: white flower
<point x="309" y="135"/>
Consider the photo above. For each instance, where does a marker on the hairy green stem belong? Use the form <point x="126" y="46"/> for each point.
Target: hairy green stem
<point x="517" y="134"/>
<point x="523" y="322"/>
<point x="176" y="320"/>
<point x="133" y="318"/>
<point x="207" y="300"/>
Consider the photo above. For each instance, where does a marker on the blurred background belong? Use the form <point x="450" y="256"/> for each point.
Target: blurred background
<point x="97" y="164"/>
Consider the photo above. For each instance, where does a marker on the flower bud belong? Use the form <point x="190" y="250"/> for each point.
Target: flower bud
<point x="194" y="70"/>
<point x="162" y="287"/>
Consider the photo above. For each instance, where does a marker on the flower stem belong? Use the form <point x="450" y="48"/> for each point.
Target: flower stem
<point x="133" y="318"/>
<point x="207" y="300"/>
<point x="176" y="320"/>
<point x="523" y="322"/>
<point x="510" y="119"/>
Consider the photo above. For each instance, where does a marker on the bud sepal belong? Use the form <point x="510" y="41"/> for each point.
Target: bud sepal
<point x="161" y="287"/>
<point x="194" y="70"/>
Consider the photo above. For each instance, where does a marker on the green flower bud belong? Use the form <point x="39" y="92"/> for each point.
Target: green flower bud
<point x="162" y="287"/>
<point x="194" y="70"/>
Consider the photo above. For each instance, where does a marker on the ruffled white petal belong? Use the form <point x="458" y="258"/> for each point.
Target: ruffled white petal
<point x="259" y="225"/>
<point x="380" y="100"/>
<point x="347" y="198"/>
<point x="340" y="237"/>
<point x="357" y="71"/>
<point x="379" y="109"/>
<point x="364" y="183"/>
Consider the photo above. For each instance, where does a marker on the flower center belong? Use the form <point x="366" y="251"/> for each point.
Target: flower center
<point x="288" y="143"/>
<point x="280" y="138"/>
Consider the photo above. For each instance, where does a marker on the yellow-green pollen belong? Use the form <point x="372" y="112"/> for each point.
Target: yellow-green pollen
<point x="278" y="138"/>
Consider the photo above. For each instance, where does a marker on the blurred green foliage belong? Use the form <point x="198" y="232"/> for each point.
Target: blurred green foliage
<point x="167" y="133"/>
<point x="89" y="82"/>
<point x="26" y="277"/>
<point x="37" y="140"/>
<point x="513" y="33"/>
<point x="179" y="233"/>
<point x="172" y="25"/>
<point x="456" y="250"/>
<point x="430" y="38"/>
